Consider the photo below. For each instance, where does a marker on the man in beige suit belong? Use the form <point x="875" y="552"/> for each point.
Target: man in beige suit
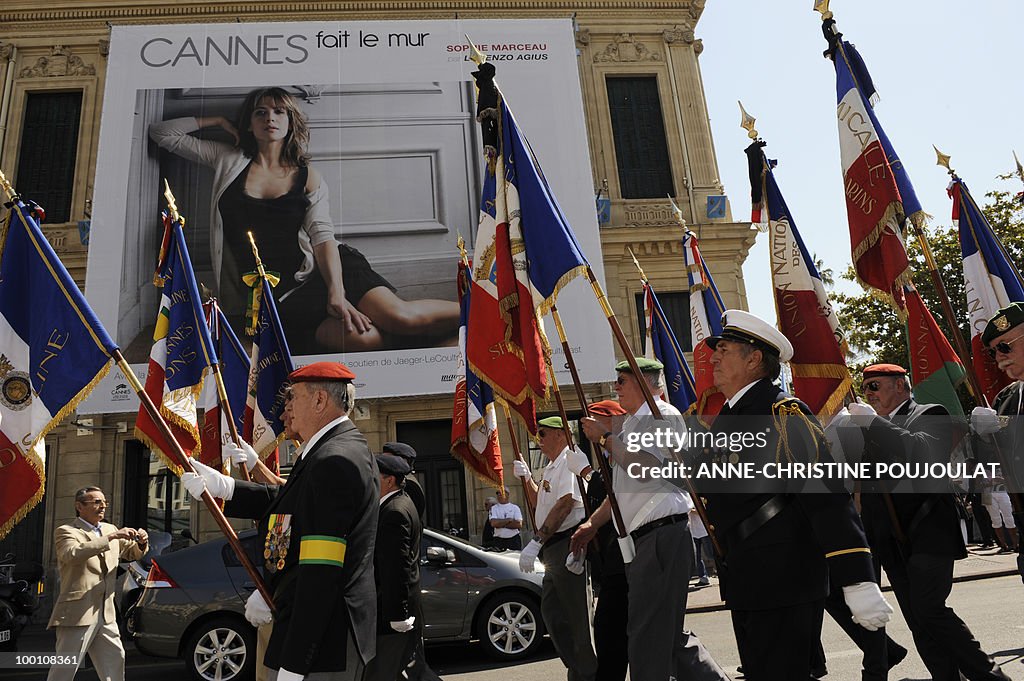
<point x="88" y="551"/>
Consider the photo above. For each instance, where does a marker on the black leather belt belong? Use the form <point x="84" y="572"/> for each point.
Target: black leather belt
<point x="660" y="522"/>
<point x="768" y="510"/>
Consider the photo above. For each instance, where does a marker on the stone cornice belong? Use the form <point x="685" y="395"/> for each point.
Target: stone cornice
<point x="20" y="11"/>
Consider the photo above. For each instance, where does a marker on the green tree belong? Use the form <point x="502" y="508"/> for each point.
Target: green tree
<point x="874" y="332"/>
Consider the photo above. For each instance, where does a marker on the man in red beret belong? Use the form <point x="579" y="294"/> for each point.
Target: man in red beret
<point x="916" y="534"/>
<point x="320" y="530"/>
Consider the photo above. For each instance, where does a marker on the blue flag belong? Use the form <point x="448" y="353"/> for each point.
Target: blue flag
<point x="663" y="346"/>
<point x="53" y="351"/>
<point x="182" y="351"/>
<point x="554" y="256"/>
<point x="270" y="364"/>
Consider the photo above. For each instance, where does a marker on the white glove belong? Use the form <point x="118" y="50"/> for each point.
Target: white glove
<point x="840" y="420"/>
<point x="529" y="556"/>
<point x="576" y="564"/>
<point x="870" y="609"/>
<point x="861" y="414"/>
<point x="257" y="611"/>
<point x="193" y="484"/>
<point x="285" y="675"/>
<point x="404" y="625"/>
<point x="578" y="461"/>
<point x="241" y="454"/>
<point x="520" y="469"/>
<point x="985" y="421"/>
<point x="220" y="486"/>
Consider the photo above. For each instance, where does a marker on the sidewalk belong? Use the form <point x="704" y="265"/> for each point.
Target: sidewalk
<point x="979" y="564"/>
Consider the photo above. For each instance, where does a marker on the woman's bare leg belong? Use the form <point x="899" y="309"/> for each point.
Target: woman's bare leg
<point x="392" y="315"/>
<point x="334" y="337"/>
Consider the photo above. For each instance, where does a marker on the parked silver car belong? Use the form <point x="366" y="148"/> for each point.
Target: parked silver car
<point x="193" y="604"/>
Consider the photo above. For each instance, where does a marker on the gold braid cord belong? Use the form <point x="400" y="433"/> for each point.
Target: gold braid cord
<point x="782" y="411"/>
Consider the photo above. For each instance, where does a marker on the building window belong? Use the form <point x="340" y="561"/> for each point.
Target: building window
<point x="49" y="149"/>
<point x="676" y="306"/>
<point x="639" y="131"/>
<point x="154" y="497"/>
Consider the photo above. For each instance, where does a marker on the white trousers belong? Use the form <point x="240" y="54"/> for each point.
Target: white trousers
<point x="101" y="640"/>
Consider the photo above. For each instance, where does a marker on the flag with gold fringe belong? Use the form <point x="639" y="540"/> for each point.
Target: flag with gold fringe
<point x="53" y="352"/>
<point x="879" y="195"/>
<point x="474" y="424"/>
<point x="805" y="313"/>
<point x="935" y="368"/>
<point x="663" y="346"/>
<point x="270" y="362"/>
<point x="182" y="351"/>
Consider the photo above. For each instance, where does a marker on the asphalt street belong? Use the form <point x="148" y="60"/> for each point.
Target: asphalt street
<point x="993" y="608"/>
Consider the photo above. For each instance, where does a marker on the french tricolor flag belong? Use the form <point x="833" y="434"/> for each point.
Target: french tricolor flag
<point x="706" y="309"/>
<point x="991" y="281"/>
<point x="806" y="316"/>
<point x="873" y="179"/>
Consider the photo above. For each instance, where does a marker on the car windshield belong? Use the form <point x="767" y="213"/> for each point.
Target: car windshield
<point x="459" y="540"/>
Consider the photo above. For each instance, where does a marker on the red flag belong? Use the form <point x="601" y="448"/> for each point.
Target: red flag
<point x="474" y="425"/>
<point x="934" y="365"/>
<point x="806" y="316"/>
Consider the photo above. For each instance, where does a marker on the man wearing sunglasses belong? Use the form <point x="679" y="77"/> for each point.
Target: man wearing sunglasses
<point x="781" y="547"/>
<point x="1001" y="428"/>
<point x="913" y="526"/>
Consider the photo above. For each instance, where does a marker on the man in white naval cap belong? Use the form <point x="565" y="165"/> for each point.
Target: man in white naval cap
<point x="780" y="546"/>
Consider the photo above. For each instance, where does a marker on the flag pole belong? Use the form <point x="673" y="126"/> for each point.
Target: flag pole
<point x="947" y="307"/>
<point x="519" y="457"/>
<point x="570" y="440"/>
<point x="698" y="502"/>
<point x="602" y="462"/>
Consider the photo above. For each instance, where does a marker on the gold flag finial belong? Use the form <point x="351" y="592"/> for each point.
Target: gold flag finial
<point x="643" y="277"/>
<point x="475" y="55"/>
<point x="172" y="207"/>
<point x="463" y="255"/>
<point x="747" y="122"/>
<point x="8" y="189"/>
<point x="1020" y="168"/>
<point x="256" y="254"/>
<point x="822" y="6"/>
<point x="678" y="211"/>
<point x="942" y="159"/>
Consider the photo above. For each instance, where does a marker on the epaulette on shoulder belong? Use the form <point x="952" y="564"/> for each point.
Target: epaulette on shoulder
<point x="787" y="407"/>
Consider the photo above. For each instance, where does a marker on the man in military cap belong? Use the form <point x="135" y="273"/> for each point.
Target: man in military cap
<point x="780" y="548"/>
<point x="396" y="565"/>
<point x="659" y="549"/>
<point x="1001" y="427"/>
<point x="320" y="528"/>
<point x="565" y="598"/>
<point x="412" y="486"/>
<point x="916" y="533"/>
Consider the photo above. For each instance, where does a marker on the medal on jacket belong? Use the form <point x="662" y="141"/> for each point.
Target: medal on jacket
<point x="279" y="535"/>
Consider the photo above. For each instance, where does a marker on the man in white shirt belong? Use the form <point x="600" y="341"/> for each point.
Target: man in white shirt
<point x="655" y="513"/>
<point x="565" y="599"/>
<point x="507" y="519"/>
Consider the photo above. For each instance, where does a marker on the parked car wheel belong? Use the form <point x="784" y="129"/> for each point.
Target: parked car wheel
<point x="222" y="649"/>
<point x="510" y="625"/>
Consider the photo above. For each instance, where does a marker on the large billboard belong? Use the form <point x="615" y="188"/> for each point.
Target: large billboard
<point x="351" y="152"/>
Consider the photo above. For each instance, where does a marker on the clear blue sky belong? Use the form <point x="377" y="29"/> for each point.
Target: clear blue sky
<point x="948" y="73"/>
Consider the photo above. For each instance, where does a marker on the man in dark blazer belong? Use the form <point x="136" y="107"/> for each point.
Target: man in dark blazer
<point x="916" y="534"/>
<point x="781" y="545"/>
<point x="319" y="530"/>
<point x="413" y="488"/>
<point x="396" y="565"/>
